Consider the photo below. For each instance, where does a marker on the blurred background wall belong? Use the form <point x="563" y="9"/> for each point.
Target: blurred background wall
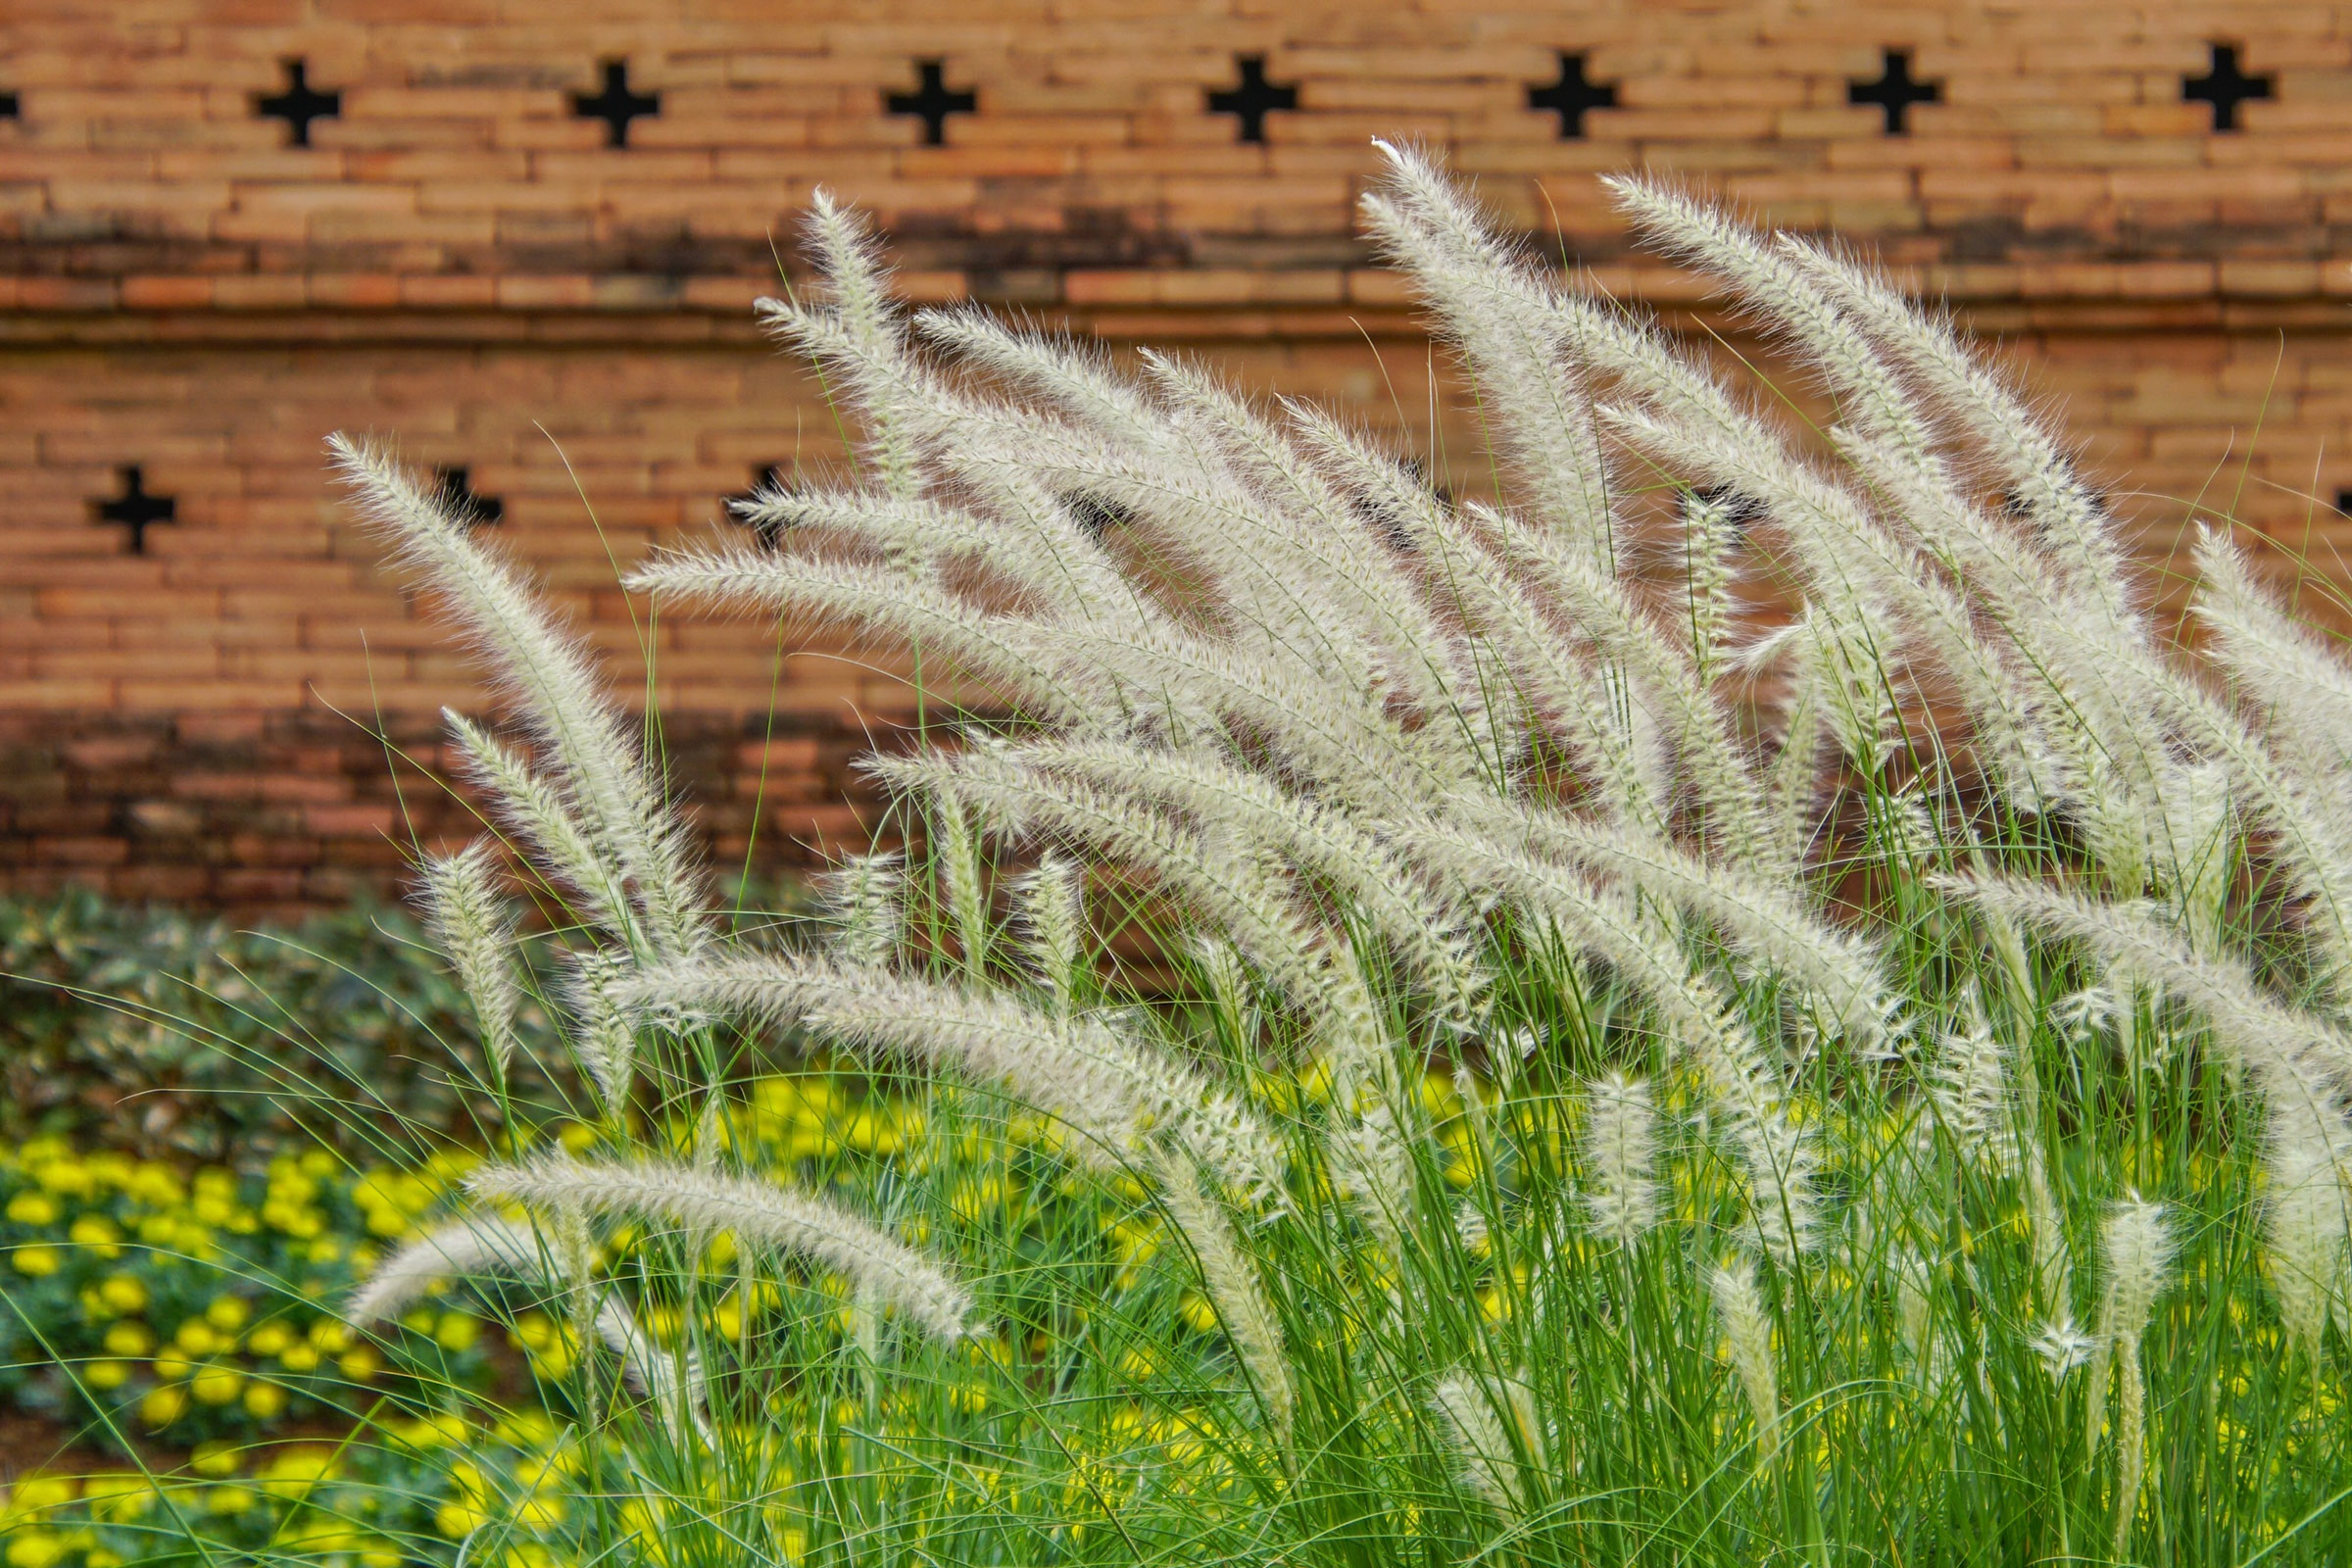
<point x="523" y="238"/>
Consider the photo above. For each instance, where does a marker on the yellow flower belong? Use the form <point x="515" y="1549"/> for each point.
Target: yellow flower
<point x="196" y="1337"/>
<point x="34" y="1548"/>
<point x="172" y="1366"/>
<point x="32" y="1208"/>
<point x="360" y="1364"/>
<point x="163" y="1405"/>
<point x="35" y="1495"/>
<point x="299" y="1357"/>
<point x="331" y="1336"/>
<point x="540" y="1513"/>
<point x="1197" y="1311"/>
<point x="295" y="1471"/>
<point x="98" y="1234"/>
<point x="106" y="1374"/>
<point x="36" y="1261"/>
<point x="457" y="1519"/>
<point x="265" y="1401"/>
<point x="969" y="1398"/>
<point x="457" y="1331"/>
<point x="126" y="1293"/>
<point x="130" y="1340"/>
<point x="120" y="1496"/>
<point x="217" y="1458"/>
<point x="228" y="1313"/>
<point x="269" y="1339"/>
<point x="231" y="1499"/>
<point x="216" y="1383"/>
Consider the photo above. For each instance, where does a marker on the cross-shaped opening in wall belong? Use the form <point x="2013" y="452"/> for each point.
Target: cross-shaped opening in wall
<point x="470" y="511"/>
<point x="932" y="102"/>
<point x="740" y="507"/>
<point x="8" y="106"/>
<point x="1741" y="512"/>
<point x="135" y="509"/>
<point x="1254" y="98"/>
<point x="1572" y="96"/>
<point x="299" y="104"/>
<point x="616" y="105"/>
<point x="1894" y="92"/>
<point x="2225" y="86"/>
<point x="1096" y="515"/>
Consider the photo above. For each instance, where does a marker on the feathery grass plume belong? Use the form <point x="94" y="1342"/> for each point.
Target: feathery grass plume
<point x="1007" y="652"/>
<point x="1357" y="580"/>
<point x="1662" y="682"/>
<point x="1414" y="916"/>
<point x="1230" y="1282"/>
<point x="1620" y="1157"/>
<point x="604" y="1037"/>
<point x="1371" y="1168"/>
<point x="535" y="810"/>
<point x="1482" y="1455"/>
<point x="1743" y="1088"/>
<point x="2305" y="697"/>
<point x="1970" y="1077"/>
<point x="2069" y="517"/>
<point x="1052" y="567"/>
<point x="763" y="1216"/>
<point x="1915" y="1318"/>
<point x="2308" y="1217"/>
<point x="605" y="780"/>
<point x="1747" y="1340"/>
<point x="1783" y="297"/>
<point x="1711" y="543"/>
<point x="1107" y="1087"/>
<point x="963" y="884"/>
<point x="1052" y="905"/>
<point x="469" y="1246"/>
<point x="1237" y="894"/>
<point x="476" y="931"/>
<point x="1759" y="917"/>
<point x="864" y="897"/>
<point x="851" y="262"/>
<point x="2285" y="1045"/>
<point x="2139" y="1246"/>
<point x="1478" y="289"/>
<point x="478" y="1244"/>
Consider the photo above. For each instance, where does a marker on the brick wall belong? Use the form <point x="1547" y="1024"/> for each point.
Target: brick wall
<point x="457" y="256"/>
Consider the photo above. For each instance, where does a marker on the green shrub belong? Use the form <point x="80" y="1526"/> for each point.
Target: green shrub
<point x="158" y="1032"/>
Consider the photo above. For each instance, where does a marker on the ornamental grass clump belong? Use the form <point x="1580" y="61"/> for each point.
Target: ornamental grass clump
<point x="1732" y="998"/>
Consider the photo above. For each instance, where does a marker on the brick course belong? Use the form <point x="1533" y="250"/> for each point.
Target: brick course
<point x="459" y="261"/>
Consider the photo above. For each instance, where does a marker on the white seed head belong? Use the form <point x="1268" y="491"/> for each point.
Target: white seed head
<point x="1747" y="1341"/>
<point x="1621" y="1150"/>
<point x="476" y="931"/>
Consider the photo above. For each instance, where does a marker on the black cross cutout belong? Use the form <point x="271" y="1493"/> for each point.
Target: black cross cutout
<point x="616" y="105"/>
<point x="1741" y="512"/>
<point x="932" y="101"/>
<point x="2343" y="502"/>
<point x="8" y="106"/>
<point x="1253" y="99"/>
<point x="299" y="104"/>
<point x="1572" y="95"/>
<point x="137" y="509"/>
<point x="457" y="495"/>
<point x="2225" y="86"/>
<point x="1097" y="515"/>
<point x="767" y="479"/>
<point x="1894" y="92"/>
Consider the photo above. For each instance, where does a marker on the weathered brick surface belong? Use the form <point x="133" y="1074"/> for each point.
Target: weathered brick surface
<point x="458" y="260"/>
